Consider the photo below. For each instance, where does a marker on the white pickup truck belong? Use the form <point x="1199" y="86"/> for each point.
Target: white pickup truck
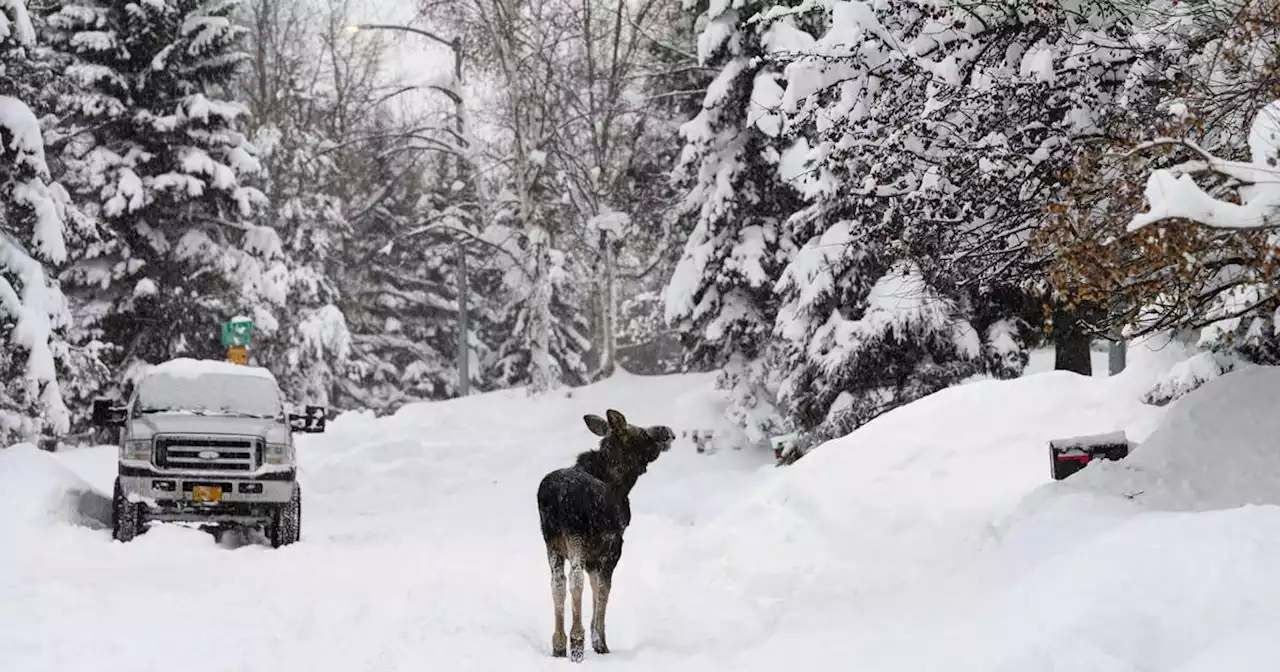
<point x="208" y="442"/>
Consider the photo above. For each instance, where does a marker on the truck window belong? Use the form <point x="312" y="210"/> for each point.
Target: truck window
<point x="209" y="394"/>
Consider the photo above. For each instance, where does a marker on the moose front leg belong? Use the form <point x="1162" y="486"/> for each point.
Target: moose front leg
<point x="576" y="634"/>
<point x="600" y="582"/>
<point x="558" y="639"/>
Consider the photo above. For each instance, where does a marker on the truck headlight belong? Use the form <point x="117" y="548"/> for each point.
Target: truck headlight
<point x="136" y="449"/>
<point x="276" y="453"/>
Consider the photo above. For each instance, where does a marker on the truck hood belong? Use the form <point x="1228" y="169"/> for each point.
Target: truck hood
<point x="147" y="426"/>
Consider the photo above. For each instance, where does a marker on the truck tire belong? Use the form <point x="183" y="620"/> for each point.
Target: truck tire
<point x="126" y="516"/>
<point x="287" y="526"/>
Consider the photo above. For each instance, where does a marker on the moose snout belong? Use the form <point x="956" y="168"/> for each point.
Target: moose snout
<point x="663" y="435"/>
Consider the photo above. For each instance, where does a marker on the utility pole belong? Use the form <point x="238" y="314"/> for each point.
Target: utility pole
<point x="455" y="94"/>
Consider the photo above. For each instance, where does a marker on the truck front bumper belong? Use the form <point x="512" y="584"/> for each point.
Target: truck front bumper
<point x="243" y="498"/>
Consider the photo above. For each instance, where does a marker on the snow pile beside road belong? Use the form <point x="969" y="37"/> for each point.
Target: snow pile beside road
<point x="37" y="489"/>
<point x="1218" y="448"/>
<point x="906" y="496"/>
<point x="1164" y="561"/>
<point x="939" y="523"/>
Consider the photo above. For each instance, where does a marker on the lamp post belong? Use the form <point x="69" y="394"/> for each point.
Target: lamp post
<point x="455" y="94"/>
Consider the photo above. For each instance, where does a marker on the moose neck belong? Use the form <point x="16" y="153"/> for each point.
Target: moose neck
<point x="621" y="476"/>
<point x="624" y="477"/>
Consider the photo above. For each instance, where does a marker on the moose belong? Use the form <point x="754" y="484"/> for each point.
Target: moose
<point x="584" y="511"/>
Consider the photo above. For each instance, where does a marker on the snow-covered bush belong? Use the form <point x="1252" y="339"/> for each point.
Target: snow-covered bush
<point x="851" y="358"/>
<point x="1188" y="375"/>
<point x="1005" y="349"/>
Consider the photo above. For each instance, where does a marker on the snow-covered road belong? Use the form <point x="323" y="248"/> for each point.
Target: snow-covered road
<point x="420" y="546"/>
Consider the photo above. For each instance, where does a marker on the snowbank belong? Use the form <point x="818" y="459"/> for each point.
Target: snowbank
<point x="903" y="497"/>
<point x="1164" y="561"/>
<point x="939" y="523"/>
<point x="1153" y="591"/>
<point x="39" y="490"/>
<point x="1218" y="448"/>
<point x="913" y="494"/>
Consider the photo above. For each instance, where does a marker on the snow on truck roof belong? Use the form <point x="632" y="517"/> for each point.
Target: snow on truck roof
<point x="185" y="367"/>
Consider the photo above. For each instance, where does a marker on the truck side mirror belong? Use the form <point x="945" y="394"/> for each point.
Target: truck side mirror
<point x="316" y="419"/>
<point x="310" y="422"/>
<point x="107" y="415"/>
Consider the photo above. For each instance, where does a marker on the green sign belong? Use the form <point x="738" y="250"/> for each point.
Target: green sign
<point x="237" y="332"/>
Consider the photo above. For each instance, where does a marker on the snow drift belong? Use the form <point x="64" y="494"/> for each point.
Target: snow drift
<point x="939" y="523"/>
<point x="907" y="495"/>
<point x="1218" y="449"/>
<point x="1164" y="560"/>
<point x="39" y="490"/>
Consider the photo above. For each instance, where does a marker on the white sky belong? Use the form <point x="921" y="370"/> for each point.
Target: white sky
<point x="414" y="60"/>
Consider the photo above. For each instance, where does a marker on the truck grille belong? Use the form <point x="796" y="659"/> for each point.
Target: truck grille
<point x="205" y="454"/>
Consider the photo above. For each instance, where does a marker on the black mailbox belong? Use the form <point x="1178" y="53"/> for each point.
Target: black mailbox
<point x="1067" y="456"/>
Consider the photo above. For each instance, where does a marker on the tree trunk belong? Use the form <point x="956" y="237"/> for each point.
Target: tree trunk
<point x="464" y="327"/>
<point x="1071" y="343"/>
<point x="1116" y="357"/>
<point x="542" y="374"/>
<point x="609" y="316"/>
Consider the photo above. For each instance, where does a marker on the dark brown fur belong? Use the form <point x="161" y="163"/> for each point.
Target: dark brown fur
<point x="584" y="511"/>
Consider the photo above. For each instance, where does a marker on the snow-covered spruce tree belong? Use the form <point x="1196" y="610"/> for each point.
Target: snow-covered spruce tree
<point x="41" y="84"/>
<point x="307" y="346"/>
<point x="865" y="333"/>
<point x="400" y="289"/>
<point x="720" y="296"/>
<point x="157" y="156"/>
<point x="33" y="311"/>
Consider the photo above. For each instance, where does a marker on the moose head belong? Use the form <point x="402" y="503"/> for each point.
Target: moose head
<point x="626" y="444"/>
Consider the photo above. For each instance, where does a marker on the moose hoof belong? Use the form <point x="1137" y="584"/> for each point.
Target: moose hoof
<point x="576" y="646"/>
<point x="600" y="647"/>
<point x="558" y="646"/>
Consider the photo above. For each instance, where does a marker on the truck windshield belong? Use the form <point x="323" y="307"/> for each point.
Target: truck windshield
<point x="209" y="394"/>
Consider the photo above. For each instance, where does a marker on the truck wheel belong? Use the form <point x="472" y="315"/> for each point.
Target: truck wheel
<point x="287" y="526"/>
<point x="126" y="517"/>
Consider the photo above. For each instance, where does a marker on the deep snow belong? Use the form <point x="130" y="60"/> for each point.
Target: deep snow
<point x="930" y="539"/>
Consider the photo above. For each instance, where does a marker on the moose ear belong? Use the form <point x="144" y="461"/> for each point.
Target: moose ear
<point x="596" y="424"/>
<point x="617" y="422"/>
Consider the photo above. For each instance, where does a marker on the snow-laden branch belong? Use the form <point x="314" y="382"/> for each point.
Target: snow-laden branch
<point x="1173" y="193"/>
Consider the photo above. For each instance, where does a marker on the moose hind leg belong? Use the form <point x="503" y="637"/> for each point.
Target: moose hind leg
<point x="577" y="637"/>
<point x="600" y="583"/>
<point x="558" y="639"/>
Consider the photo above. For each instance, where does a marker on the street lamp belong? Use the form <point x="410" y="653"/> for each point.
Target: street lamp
<point x="454" y="93"/>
